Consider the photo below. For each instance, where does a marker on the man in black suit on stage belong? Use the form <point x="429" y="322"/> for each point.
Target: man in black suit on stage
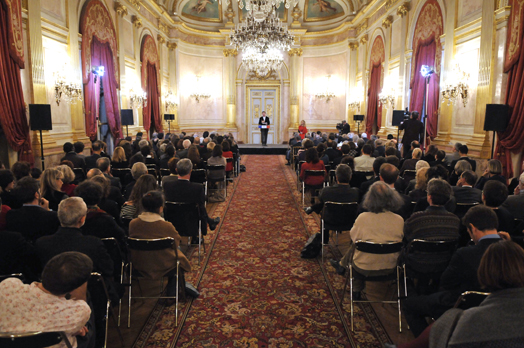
<point x="264" y="120"/>
<point x="413" y="130"/>
<point x="184" y="191"/>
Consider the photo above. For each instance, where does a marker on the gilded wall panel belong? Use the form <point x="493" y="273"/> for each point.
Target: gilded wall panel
<point x="55" y="10"/>
<point x="129" y="43"/>
<point x="396" y="29"/>
<point x="467" y="55"/>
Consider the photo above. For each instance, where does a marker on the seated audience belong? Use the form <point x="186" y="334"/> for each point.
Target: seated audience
<point x="437" y="172"/>
<point x="494" y="195"/>
<point x="104" y="164"/>
<point x="454" y="155"/>
<point x="458" y="169"/>
<point x="68" y="176"/>
<point x="379" y="225"/>
<point x="34" y="219"/>
<point x="419" y="189"/>
<point x="107" y="204"/>
<point x="4" y="209"/>
<point x="50" y="185"/>
<point x="194" y="157"/>
<point x="312" y="163"/>
<point x="389" y="175"/>
<point x="58" y="303"/>
<point x="410" y="164"/>
<point x="35" y="173"/>
<point x="7" y="183"/>
<point x="364" y="163"/>
<point x="183" y="152"/>
<point x="216" y="177"/>
<point x="132" y="207"/>
<point x="411" y="185"/>
<point x="461" y="273"/>
<point x="137" y="171"/>
<point x="96" y="148"/>
<point x="331" y="151"/>
<point x="150" y="225"/>
<point x="463" y="153"/>
<point x="464" y="191"/>
<point x="184" y="191"/>
<point x="515" y="203"/>
<point x="431" y="154"/>
<point x="71" y="155"/>
<point x="344" y="149"/>
<point x="119" y="159"/>
<point x="166" y="157"/>
<point x="364" y="187"/>
<point x="492" y="172"/>
<point x="21" y="169"/>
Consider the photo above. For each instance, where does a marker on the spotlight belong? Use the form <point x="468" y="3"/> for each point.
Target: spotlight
<point x="426" y="70"/>
<point x="98" y="71"/>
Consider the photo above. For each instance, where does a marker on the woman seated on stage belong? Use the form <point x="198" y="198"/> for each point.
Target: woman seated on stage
<point x="302" y="130"/>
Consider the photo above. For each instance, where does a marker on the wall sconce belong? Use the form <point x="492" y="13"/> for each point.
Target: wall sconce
<point x="455" y="86"/>
<point x="138" y="99"/>
<point x="326" y="93"/>
<point x="170" y="101"/>
<point x="355" y="100"/>
<point x="65" y="90"/>
<point x="199" y="92"/>
<point x="387" y="96"/>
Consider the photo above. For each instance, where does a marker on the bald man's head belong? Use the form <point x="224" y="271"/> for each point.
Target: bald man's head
<point x="389" y="173"/>
<point x="93" y="172"/>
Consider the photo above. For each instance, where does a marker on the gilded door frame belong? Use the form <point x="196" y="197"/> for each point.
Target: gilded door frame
<point x="262" y="86"/>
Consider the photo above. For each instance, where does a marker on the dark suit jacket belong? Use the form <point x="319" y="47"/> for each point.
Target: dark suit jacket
<point x="461" y="273"/>
<point x="332" y="154"/>
<point x="128" y="189"/>
<point x="187" y="192"/>
<point x="17" y="255"/>
<point x="114" y="181"/>
<point x="364" y="187"/>
<point x="467" y="194"/>
<point x="515" y="205"/>
<point x="32" y="222"/>
<point x="102" y="225"/>
<point x="413" y="130"/>
<point x="72" y="239"/>
<point x="472" y="162"/>
<point x="91" y="161"/>
<point x="182" y="153"/>
<point x="78" y="161"/>
<point x="336" y="193"/>
<point x="506" y="220"/>
<point x="345" y="128"/>
<point x="409" y="164"/>
<point x="261" y="121"/>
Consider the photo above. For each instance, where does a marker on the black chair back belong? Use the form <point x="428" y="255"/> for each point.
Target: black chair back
<point x="378" y="248"/>
<point x="80" y="175"/>
<point x="431" y="246"/>
<point x="164" y="172"/>
<point x="470" y="299"/>
<point x="150" y="244"/>
<point x="184" y="216"/>
<point x="121" y="173"/>
<point x="339" y="216"/>
<point x="32" y="339"/>
<point x="117" y="254"/>
<point x="462" y="208"/>
<point x="359" y="177"/>
<point x="198" y="175"/>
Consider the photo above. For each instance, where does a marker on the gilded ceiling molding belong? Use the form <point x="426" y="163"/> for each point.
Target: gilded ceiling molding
<point x="295" y="52"/>
<point x="136" y="3"/>
<point x="353" y="45"/>
<point x="364" y="39"/>
<point x="403" y="9"/>
<point x="171" y="46"/>
<point x="120" y="9"/>
<point x="389" y="4"/>
<point x="228" y="52"/>
<point x="137" y="22"/>
<point x="160" y="39"/>
<point x="386" y="23"/>
<point x="362" y="27"/>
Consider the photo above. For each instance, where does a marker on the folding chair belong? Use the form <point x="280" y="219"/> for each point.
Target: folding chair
<point x="32" y="339"/>
<point x="80" y="175"/>
<point x="312" y="187"/>
<point x="408" y="175"/>
<point x="187" y="221"/>
<point x="462" y="209"/>
<point x="294" y="158"/>
<point x="164" y="172"/>
<point x="470" y="299"/>
<point x="151" y="245"/>
<point x="98" y="280"/>
<point x="199" y="176"/>
<point x="121" y="173"/>
<point x="118" y="257"/>
<point x="231" y="172"/>
<point x="379" y="249"/>
<point x="341" y="218"/>
<point x="359" y="177"/>
<point x="216" y="168"/>
<point x="298" y="169"/>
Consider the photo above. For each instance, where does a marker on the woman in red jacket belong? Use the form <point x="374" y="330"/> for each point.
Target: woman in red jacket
<point x="312" y="163"/>
<point x="302" y="129"/>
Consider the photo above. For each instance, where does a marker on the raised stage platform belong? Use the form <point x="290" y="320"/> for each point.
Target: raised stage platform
<point x="258" y="149"/>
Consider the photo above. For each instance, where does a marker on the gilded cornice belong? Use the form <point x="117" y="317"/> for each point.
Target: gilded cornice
<point x="171" y="45"/>
<point x="228" y="52"/>
<point x="120" y="9"/>
<point x="163" y="28"/>
<point x="137" y="22"/>
<point x="386" y="23"/>
<point x="362" y="27"/>
<point x="136" y="4"/>
<point x="295" y="52"/>
<point x="403" y="9"/>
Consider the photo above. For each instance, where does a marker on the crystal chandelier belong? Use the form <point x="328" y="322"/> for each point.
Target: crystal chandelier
<point x="67" y="91"/>
<point x="137" y="99"/>
<point x="456" y="86"/>
<point x="262" y="63"/>
<point x="326" y="93"/>
<point x="170" y="101"/>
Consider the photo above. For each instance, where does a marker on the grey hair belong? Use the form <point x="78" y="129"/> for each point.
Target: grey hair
<point x="138" y="170"/>
<point x="186" y="143"/>
<point x="361" y="142"/>
<point x="461" y="166"/>
<point x="143" y="143"/>
<point x="421" y="164"/>
<point x="457" y="146"/>
<point x="163" y="148"/>
<point x="184" y="166"/>
<point x="70" y="210"/>
<point x="382" y="198"/>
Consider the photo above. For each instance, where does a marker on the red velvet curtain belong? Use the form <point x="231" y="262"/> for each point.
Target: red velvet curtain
<point x="101" y="55"/>
<point x="12" y="107"/>
<point x="426" y="56"/>
<point x="512" y="140"/>
<point x="374" y="112"/>
<point x="152" y="115"/>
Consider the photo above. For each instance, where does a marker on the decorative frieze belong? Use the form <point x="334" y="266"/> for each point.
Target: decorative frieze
<point x="364" y="39"/>
<point x="229" y="52"/>
<point x="295" y="52"/>
<point x="136" y="3"/>
<point x="163" y="28"/>
<point x="362" y="27"/>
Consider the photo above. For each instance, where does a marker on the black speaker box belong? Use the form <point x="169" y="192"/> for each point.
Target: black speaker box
<point x="358" y="117"/>
<point x="169" y="117"/>
<point x="398" y="117"/>
<point x="497" y="117"/>
<point x="40" y="117"/>
<point x="127" y="117"/>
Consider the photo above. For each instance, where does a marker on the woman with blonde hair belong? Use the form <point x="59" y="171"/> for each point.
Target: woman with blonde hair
<point x="51" y="183"/>
<point x="68" y="177"/>
<point x="302" y="130"/>
<point x="119" y="159"/>
<point x="492" y="172"/>
<point x="421" y="181"/>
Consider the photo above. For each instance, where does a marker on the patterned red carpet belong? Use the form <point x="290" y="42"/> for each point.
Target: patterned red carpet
<point x="256" y="291"/>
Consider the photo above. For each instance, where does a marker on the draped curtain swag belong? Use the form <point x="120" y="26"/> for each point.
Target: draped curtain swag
<point x="12" y="107"/>
<point x="512" y="140"/>
<point x="151" y="83"/>
<point x="376" y="77"/>
<point x="99" y="47"/>
<point x="427" y="50"/>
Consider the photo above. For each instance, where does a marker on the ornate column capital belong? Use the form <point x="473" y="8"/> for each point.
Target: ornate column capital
<point x="403" y="9"/>
<point x="295" y="52"/>
<point x="353" y="45"/>
<point x="171" y="46"/>
<point x="136" y="3"/>
<point x="163" y="28"/>
<point x="137" y="22"/>
<point x="160" y="39"/>
<point x="229" y="52"/>
<point x="386" y="23"/>
<point x="364" y="39"/>
<point x="120" y="9"/>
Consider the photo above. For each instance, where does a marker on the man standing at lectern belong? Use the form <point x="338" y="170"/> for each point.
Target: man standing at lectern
<point x="264" y="121"/>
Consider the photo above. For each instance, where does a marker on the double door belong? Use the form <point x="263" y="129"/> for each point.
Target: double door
<point x="262" y="100"/>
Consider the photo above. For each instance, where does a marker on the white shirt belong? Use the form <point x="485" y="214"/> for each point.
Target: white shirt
<point x="27" y="308"/>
